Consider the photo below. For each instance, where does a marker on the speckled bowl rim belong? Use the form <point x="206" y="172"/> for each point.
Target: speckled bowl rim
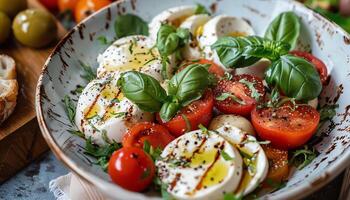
<point x="299" y="191"/>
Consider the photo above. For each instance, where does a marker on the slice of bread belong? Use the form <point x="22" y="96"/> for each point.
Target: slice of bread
<point x="8" y="87"/>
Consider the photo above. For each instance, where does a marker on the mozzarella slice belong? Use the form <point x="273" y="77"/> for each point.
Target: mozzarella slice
<point x="219" y="26"/>
<point x="131" y="53"/>
<point x="195" y="25"/>
<point x="232" y="120"/>
<point x="194" y="166"/>
<point x="254" y="157"/>
<point x="174" y="16"/>
<point x="258" y="69"/>
<point x="103" y="113"/>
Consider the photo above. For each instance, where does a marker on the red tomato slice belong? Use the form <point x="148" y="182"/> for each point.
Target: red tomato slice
<point x="157" y="135"/>
<point x="278" y="163"/>
<point x="50" y="4"/>
<point x="214" y="68"/>
<point x="285" y="128"/>
<point x="318" y="64"/>
<point x="196" y="113"/>
<point x="131" y="168"/>
<point x="240" y="90"/>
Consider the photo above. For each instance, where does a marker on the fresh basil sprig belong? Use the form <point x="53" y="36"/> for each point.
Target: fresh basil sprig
<point x="200" y="9"/>
<point x="236" y="52"/>
<point x="184" y="88"/>
<point x="143" y="90"/>
<point x="295" y="77"/>
<point x="284" y="28"/>
<point x="130" y="24"/>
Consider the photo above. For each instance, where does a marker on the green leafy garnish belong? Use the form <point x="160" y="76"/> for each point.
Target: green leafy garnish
<point x="231" y="196"/>
<point x="119" y="114"/>
<point x="284" y="28"/>
<point x="89" y="73"/>
<point x="78" y="90"/>
<point x="254" y="93"/>
<point x="188" y="123"/>
<point x="129" y="24"/>
<point x="200" y="9"/>
<point x="225" y="95"/>
<point x="225" y="156"/>
<point x="303" y="157"/>
<point x="327" y="112"/>
<point x="77" y="133"/>
<point x="153" y="152"/>
<point x="275" y="184"/>
<point x="70" y="108"/>
<point x="146" y="173"/>
<point x="103" y="40"/>
<point x="101" y="153"/>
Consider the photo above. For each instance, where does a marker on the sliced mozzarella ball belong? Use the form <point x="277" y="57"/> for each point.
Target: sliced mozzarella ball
<point x="258" y="69"/>
<point x="219" y="26"/>
<point x="195" y="25"/>
<point x="131" y="53"/>
<point x="254" y="157"/>
<point x="313" y="103"/>
<point x="232" y="120"/>
<point x="174" y="16"/>
<point x="103" y="113"/>
<point x="199" y="166"/>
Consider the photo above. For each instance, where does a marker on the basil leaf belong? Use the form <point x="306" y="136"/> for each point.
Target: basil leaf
<point x="284" y="28"/>
<point x="169" y="110"/>
<point x="130" y="24"/>
<point x="302" y="157"/>
<point x="200" y="9"/>
<point x="296" y="77"/>
<point x="170" y="39"/>
<point x="143" y="90"/>
<point x="264" y="48"/>
<point x="189" y="84"/>
<point x="230" y="51"/>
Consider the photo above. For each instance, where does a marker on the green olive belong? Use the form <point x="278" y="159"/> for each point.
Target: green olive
<point x="34" y="28"/>
<point x="5" y="27"/>
<point x="12" y="7"/>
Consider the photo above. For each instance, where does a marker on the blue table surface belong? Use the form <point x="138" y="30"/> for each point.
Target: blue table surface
<point x="32" y="182"/>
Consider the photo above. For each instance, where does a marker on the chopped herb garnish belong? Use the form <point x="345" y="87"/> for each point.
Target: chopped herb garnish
<point x="103" y="40"/>
<point x="105" y="137"/>
<point x="188" y="124"/>
<point x="89" y="74"/>
<point x="203" y="129"/>
<point x="147" y="147"/>
<point x="327" y="112"/>
<point x="131" y="50"/>
<point x="230" y="196"/>
<point x="103" y="153"/>
<point x="228" y="76"/>
<point x="78" y="90"/>
<point x="225" y="95"/>
<point x="303" y="157"/>
<point x="153" y="152"/>
<point x="225" y="156"/>
<point x="200" y="9"/>
<point x="149" y="61"/>
<point x="70" y="108"/>
<point x="119" y="114"/>
<point x="179" y="162"/>
<point x="275" y="184"/>
<point x="115" y="100"/>
<point x="77" y="133"/>
<point x="146" y="173"/>
<point x="254" y="93"/>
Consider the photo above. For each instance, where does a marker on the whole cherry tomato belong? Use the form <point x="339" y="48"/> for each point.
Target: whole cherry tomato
<point x="131" y="168"/>
<point x="84" y="8"/>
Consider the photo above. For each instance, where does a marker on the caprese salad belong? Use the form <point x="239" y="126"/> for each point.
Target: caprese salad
<point x="199" y="107"/>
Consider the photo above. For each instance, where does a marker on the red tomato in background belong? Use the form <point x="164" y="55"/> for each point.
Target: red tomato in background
<point x="64" y="5"/>
<point x="318" y="64"/>
<point x="131" y="168"/>
<point x="157" y="135"/>
<point x="239" y="90"/>
<point x="84" y="8"/>
<point x="50" y="4"/>
<point x="278" y="163"/>
<point x="285" y="128"/>
<point x="197" y="112"/>
<point x="214" y="68"/>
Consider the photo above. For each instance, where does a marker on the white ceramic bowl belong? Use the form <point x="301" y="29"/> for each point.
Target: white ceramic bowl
<point x="62" y="72"/>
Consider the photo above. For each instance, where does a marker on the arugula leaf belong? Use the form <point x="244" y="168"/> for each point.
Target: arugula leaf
<point x="225" y="95"/>
<point x="200" y="9"/>
<point x="327" y="112"/>
<point x="70" y="109"/>
<point x="303" y="157"/>
<point x="77" y="133"/>
<point x="284" y="28"/>
<point x="130" y="24"/>
<point x="254" y="93"/>
<point x="103" y="40"/>
<point x="78" y="90"/>
<point x="143" y="90"/>
<point x="295" y="77"/>
<point x="225" y="156"/>
<point x="154" y="153"/>
<point x="89" y="73"/>
<point x="103" y="153"/>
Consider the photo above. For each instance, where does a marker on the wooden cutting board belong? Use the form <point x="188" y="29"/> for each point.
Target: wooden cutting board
<point x="20" y="139"/>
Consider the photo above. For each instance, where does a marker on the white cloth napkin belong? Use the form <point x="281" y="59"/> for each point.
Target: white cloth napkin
<point x="71" y="187"/>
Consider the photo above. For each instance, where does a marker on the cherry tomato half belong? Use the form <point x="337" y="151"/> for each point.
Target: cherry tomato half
<point x="196" y="113"/>
<point x="64" y="5"/>
<point x="242" y="101"/>
<point x="214" y="68"/>
<point x="157" y="135"/>
<point x="84" y="8"/>
<point x="278" y="163"/>
<point x="284" y="127"/>
<point x="318" y="64"/>
<point x="49" y="4"/>
<point x="131" y="168"/>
